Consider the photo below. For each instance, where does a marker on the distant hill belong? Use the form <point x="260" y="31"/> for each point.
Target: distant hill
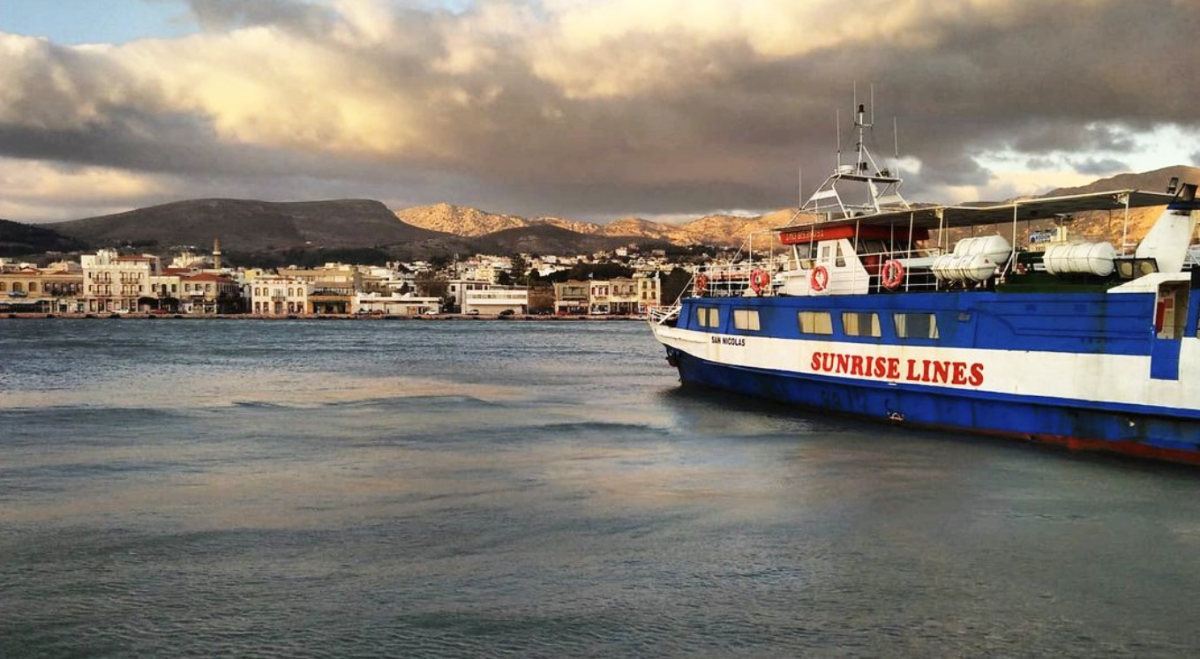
<point x="1104" y="226"/>
<point x="1152" y="181"/>
<point x="247" y="225"/>
<point x="1109" y="226"/>
<point x="547" y="239"/>
<point x="18" y="239"/>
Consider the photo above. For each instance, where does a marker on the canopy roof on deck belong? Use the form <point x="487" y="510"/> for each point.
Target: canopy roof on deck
<point x="945" y="217"/>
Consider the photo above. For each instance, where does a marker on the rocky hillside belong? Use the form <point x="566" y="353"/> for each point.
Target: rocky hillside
<point x="569" y="225"/>
<point x="459" y="220"/>
<point x="728" y="230"/>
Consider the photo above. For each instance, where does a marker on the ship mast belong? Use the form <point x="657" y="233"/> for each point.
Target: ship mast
<point x="861" y="188"/>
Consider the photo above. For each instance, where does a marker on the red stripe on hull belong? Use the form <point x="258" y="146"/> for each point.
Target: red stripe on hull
<point x="1133" y="449"/>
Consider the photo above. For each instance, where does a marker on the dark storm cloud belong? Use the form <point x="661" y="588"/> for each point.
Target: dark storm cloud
<point x="554" y="110"/>
<point x="1101" y="167"/>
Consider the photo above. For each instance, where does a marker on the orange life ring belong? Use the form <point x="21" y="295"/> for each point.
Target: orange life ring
<point x="700" y="284"/>
<point x="892" y="274"/>
<point x="759" y="280"/>
<point x="819" y="278"/>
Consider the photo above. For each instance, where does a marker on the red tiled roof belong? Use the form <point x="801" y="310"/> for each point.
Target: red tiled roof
<point x="206" y="276"/>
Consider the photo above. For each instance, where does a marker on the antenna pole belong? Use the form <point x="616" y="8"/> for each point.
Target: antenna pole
<point x="800" y="186"/>
<point x="896" y="135"/>
<point x="872" y="104"/>
<point x="837" y="114"/>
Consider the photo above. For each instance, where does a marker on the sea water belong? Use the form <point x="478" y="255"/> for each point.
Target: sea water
<point x="500" y="488"/>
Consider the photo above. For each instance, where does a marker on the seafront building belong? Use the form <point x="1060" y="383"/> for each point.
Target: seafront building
<point x="395" y="304"/>
<point x="456" y="290"/>
<point x="113" y="283"/>
<point x="649" y="291"/>
<point x="612" y="296"/>
<point x="54" y="289"/>
<point x="332" y="286"/>
<point x="279" y="296"/>
<point x="620" y="296"/>
<point x="209" y="293"/>
<point x="571" y="297"/>
<point x="496" y="300"/>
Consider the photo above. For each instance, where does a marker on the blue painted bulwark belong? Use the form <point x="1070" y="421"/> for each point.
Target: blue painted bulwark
<point x="1076" y="323"/>
<point x="1164" y="359"/>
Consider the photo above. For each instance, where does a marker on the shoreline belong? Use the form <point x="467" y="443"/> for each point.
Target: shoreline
<point x="243" y="316"/>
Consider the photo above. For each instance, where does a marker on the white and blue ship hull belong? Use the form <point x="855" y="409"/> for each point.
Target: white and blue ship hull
<point x="1084" y="370"/>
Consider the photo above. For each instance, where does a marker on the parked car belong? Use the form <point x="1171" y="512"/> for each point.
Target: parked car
<point x="473" y="312"/>
<point x="506" y="312"/>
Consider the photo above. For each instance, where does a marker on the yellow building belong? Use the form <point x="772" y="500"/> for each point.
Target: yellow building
<point x="571" y="297"/>
<point x="332" y="287"/>
<point x="47" y="290"/>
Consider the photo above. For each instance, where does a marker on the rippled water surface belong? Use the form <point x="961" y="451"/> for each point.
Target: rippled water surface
<point x="341" y="488"/>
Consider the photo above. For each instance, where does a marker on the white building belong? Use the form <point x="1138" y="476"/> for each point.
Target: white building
<point x="495" y="300"/>
<point x="456" y="288"/>
<point x="113" y="283"/>
<point x="279" y="296"/>
<point x="399" y="305"/>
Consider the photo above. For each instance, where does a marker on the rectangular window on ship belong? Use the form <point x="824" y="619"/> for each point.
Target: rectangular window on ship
<point x="708" y="316"/>
<point x="815" y="322"/>
<point x="860" y="323"/>
<point x="746" y="319"/>
<point x="916" y="325"/>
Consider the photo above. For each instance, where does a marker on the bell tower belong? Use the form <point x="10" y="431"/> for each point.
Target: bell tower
<point x="216" y="254"/>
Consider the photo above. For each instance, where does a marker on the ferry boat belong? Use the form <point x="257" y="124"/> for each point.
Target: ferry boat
<point x="869" y="310"/>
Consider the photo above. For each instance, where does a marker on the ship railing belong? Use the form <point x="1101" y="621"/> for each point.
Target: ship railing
<point x="730" y="279"/>
<point x="663" y="315"/>
<point x="1192" y="258"/>
<point x="916" y="273"/>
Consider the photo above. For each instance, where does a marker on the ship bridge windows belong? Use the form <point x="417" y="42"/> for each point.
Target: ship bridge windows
<point x="915" y="325"/>
<point x="745" y="319"/>
<point x="856" y="323"/>
<point x="815" y="322"/>
<point x="708" y="316"/>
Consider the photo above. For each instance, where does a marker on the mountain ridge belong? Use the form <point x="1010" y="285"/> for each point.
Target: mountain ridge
<point x="714" y="229"/>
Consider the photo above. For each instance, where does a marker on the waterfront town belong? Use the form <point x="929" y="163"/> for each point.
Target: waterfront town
<point x="111" y="282"/>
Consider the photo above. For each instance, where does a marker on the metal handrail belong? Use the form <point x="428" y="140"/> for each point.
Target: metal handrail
<point x="659" y="315"/>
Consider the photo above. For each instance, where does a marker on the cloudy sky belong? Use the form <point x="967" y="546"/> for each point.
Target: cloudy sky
<point x="590" y="109"/>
